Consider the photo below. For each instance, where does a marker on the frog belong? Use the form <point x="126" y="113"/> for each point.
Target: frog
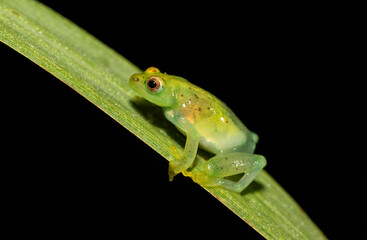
<point x="208" y="124"/>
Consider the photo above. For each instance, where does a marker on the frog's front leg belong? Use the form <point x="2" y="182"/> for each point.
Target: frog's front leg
<point x="224" y="165"/>
<point x="185" y="161"/>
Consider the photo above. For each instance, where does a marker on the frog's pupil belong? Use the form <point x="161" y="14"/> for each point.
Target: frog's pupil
<point x="152" y="84"/>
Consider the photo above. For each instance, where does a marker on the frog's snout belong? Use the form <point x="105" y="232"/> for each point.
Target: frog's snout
<point x="136" y="81"/>
<point x="134" y="78"/>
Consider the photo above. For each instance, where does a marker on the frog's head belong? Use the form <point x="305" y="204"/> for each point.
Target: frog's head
<point x="154" y="86"/>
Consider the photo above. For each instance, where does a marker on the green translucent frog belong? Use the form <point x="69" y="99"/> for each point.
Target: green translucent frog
<point x="207" y="123"/>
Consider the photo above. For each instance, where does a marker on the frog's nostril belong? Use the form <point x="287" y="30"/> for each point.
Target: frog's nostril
<point x="136" y="79"/>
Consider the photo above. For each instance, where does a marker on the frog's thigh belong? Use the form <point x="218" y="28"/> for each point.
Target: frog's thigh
<point x="224" y="165"/>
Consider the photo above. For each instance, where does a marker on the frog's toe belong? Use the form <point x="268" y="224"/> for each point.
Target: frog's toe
<point x="174" y="168"/>
<point x="171" y="173"/>
<point x="202" y="179"/>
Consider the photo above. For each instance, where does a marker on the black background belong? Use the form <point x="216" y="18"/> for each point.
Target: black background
<point x="287" y="71"/>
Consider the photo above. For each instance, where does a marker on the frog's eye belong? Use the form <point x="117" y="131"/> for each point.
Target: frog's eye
<point x="154" y="84"/>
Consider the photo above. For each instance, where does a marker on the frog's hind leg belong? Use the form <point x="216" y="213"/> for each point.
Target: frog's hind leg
<point x="229" y="164"/>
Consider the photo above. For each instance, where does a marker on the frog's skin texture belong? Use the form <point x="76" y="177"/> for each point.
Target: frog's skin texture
<point x="207" y="123"/>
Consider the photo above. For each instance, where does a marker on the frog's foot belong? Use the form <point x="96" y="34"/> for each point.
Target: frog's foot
<point x="172" y="172"/>
<point x="172" y="168"/>
<point x="175" y="167"/>
<point x="202" y="178"/>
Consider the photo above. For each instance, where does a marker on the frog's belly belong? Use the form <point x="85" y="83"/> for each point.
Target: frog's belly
<point x="216" y="140"/>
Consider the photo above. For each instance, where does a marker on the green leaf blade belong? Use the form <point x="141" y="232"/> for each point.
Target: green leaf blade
<point x="270" y="210"/>
<point x="101" y="76"/>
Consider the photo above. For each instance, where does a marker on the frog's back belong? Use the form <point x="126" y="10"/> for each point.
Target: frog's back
<point x="219" y="128"/>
